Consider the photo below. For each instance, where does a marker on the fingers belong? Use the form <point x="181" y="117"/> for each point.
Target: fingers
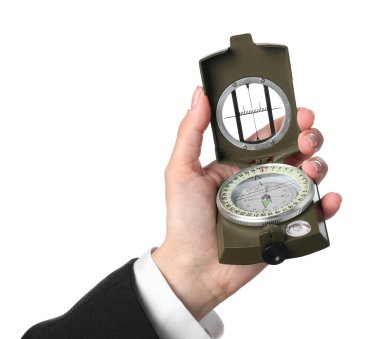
<point x="220" y="172"/>
<point x="305" y="118"/>
<point x="266" y="132"/>
<point x="330" y="204"/>
<point x="316" y="168"/>
<point x="310" y="141"/>
<point x="190" y="134"/>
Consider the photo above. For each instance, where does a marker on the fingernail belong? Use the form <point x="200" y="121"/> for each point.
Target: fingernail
<point x="312" y="139"/>
<point x="317" y="165"/>
<point x="195" y="97"/>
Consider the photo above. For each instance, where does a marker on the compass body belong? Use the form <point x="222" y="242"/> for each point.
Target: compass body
<point x="269" y="211"/>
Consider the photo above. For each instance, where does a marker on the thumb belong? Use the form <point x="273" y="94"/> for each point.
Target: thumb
<point x="187" y="148"/>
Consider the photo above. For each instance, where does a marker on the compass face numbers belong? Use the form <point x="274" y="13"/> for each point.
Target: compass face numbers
<point x="265" y="194"/>
<point x="253" y="113"/>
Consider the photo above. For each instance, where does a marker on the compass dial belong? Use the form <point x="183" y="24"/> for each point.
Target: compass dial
<point x="265" y="194"/>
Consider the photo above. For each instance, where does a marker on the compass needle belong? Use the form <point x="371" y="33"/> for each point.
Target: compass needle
<point x="266" y="202"/>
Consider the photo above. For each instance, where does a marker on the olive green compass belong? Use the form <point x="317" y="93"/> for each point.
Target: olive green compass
<point x="269" y="211"/>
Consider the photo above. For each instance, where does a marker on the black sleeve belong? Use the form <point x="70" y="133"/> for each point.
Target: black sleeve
<point x="110" y="310"/>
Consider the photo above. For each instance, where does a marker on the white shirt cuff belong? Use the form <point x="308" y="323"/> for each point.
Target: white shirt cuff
<point x="169" y="317"/>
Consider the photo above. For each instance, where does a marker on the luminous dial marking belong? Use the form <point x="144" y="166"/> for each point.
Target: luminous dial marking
<point x="265" y="194"/>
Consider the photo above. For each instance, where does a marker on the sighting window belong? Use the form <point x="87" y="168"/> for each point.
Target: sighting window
<point x="253" y="111"/>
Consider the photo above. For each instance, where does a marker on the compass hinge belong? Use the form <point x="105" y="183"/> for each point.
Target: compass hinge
<point x="268" y="160"/>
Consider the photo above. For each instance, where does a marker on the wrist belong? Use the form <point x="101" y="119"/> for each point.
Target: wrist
<point x="189" y="281"/>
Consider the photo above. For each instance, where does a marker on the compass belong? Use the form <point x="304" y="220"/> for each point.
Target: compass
<point x="269" y="211"/>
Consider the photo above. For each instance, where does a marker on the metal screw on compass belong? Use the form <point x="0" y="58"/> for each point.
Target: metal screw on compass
<point x="269" y="211"/>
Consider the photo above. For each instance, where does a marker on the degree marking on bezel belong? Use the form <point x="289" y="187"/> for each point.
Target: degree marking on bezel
<point x="249" y="220"/>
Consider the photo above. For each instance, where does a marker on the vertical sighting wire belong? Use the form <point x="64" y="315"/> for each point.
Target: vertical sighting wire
<point x="253" y="113"/>
<point x="269" y="109"/>
<point x="237" y="115"/>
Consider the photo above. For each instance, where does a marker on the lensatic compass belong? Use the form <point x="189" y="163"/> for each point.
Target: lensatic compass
<point x="269" y="211"/>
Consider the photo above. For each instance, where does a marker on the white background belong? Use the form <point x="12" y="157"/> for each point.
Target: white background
<point x="91" y="94"/>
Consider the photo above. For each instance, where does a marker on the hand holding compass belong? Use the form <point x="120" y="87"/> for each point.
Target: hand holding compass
<point x="188" y="256"/>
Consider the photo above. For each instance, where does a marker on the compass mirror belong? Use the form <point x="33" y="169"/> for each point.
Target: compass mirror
<point x="253" y="113"/>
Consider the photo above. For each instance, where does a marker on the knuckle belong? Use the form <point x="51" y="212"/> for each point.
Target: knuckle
<point x="182" y="127"/>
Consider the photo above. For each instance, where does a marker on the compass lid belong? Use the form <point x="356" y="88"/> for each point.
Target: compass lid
<point x="253" y="109"/>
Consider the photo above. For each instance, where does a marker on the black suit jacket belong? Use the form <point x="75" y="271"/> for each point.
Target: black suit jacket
<point x="110" y="310"/>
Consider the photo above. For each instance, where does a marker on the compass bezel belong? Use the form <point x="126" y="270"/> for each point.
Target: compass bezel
<point x="265" y="220"/>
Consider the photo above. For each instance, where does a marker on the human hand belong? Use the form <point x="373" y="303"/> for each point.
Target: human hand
<point x="188" y="257"/>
